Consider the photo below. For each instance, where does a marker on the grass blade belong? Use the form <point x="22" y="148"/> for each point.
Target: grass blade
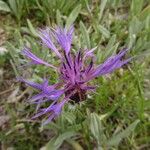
<point x="4" y="6"/>
<point x="116" y="139"/>
<point x="73" y="15"/>
<point x="85" y="34"/>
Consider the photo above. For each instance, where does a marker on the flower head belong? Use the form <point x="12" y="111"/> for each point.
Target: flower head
<point x="75" y="71"/>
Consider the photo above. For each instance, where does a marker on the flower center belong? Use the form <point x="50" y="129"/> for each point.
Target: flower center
<point x="78" y="96"/>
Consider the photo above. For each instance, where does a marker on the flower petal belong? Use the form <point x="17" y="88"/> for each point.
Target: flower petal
<point x="111" y="64"/>
<point x="52" y="116"/>
<point x="89" y="53"/>
<point x="30" y="83"/>
<point x="34" y="58"/>
<point x="46" y="37"/>
<point x="36" y="97"/>
<point x="64" y="38"/>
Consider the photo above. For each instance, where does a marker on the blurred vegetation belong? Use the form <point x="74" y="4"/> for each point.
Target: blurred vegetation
<point x="116" y="116"/>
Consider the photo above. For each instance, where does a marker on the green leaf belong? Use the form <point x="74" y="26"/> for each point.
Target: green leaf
<point x="56" y="142"/>
<point x="97" y="128"/>
<point x="111" y="47"/>
<point x="13" y="52"/>
<point x="64" y="136"/>
<point x="72" y="17"/>
<point x="51" y="144"/>
<point x="102" y="7"/>
<point x="136" y="6"/>
<point x="116" y="139"/>
<point x="85" y="34"/>
<point x="145" y="13"/>
<point x="111" y="42"/>
<point x="32" y="29"/>
<point x="4" y="6"/>
<point x="16" y="128"/>
<point x="17" y="8"/>
<point x="13" y="6"/>
<point x="104" y="31"/>
<point x="58" y="18"/>
<point x="135" y="26"/>
<point x="70" y="117"/>
<point x="75" y="144"/>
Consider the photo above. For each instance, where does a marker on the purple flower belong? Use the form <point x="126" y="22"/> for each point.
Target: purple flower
<point x="74" y="72"/>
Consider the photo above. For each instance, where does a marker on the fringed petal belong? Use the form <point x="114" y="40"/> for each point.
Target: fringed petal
<point x="35" y="59"/>
<point x="46" y="37"/>
<point x="64" y="38"/>
<point x="111" y="64"/>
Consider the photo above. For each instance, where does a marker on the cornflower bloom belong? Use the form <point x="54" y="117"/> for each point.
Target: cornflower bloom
<point x="75" y="71"/>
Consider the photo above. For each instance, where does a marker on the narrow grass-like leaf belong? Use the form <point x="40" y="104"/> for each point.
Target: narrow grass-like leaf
<point x="104" y="31"/>
<point x="85" y="34"/>
<point x="102" y="7"/>
<point x="136" y="6"/>
<point x="57" y="141"/>
<point x="13" y="6"/>
<point x="75" y="144"/>
<point x="135" y="26"/>
<point x="111" y="47"/>
<point x="112" y="50"/>
<point x="70" y="117"/>
<point x="73" y="15"/>
<point x="32" y="29"/>
<point x="4" y="6"/>
<point x="116" y="139"/>
<point x="97" y="129"/>
<point x="17" y="8"/>
<point x="13" y="52"/>
<point x="145" y="13"/>
<point x="51" y="144"/>
<point x="64" y="136"/>
<point x="111" y="42"/>
<point x="58" y="18"/>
